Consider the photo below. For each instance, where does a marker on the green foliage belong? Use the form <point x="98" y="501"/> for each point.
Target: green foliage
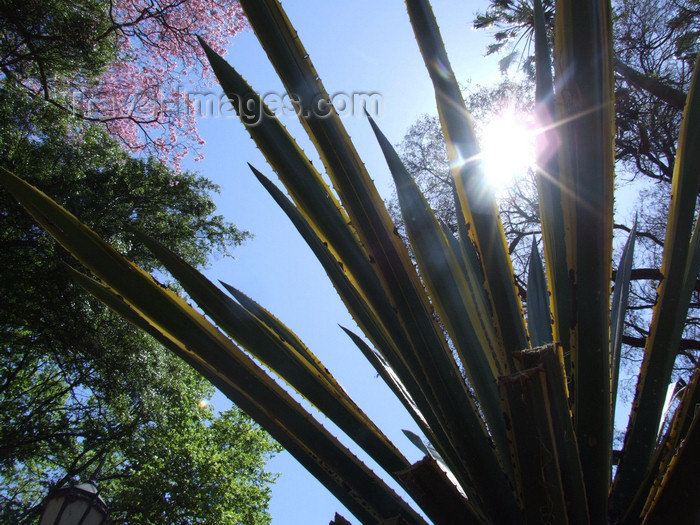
<point x="77" y="383"/>
<point x="48" y="39"/>
<point x="205" y="469"/>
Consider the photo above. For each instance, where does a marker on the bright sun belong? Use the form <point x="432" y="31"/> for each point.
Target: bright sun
<point x="508" y="148"/>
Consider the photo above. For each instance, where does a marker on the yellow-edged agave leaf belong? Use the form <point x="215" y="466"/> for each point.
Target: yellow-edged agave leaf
<point x="348" y="265"/>
<point x="364" y="311"/>
<point x="389" y="256"/>
<point x="391" y="379"/>
<point x="274" y="324"/>
<point x="539" y="320"/>
<point x="526" y="406"/>
<point x="308" y="190"/>
<point x="478" y="203"/>
<point x="230" y="369"/>
<point x="435" y="367"/>
<point x="314" y="200"/>
<point x="303" y="372"/>
<point x="400" y="377"/>
<point x="679" y="263"/>
<point x="435" y="492"/>
<point x="677" y="499"/>
<point x="618" y="310"/>
<point x="364" y="314"/>
<point x="550" y="358"/>
<point x="469" y="252"/>
<point x="585" y="125"/>
<point x="549" y="190"/>
<point x="686" y="410"/>
<point x="351" y="180"/>
<point x="269" y="320"/>
<point x="666" y="450"/>
<point x="296" y="445"/>
<point x="455" y="245"/>
<point x="465" y="318"/>
<point x="459" y="303"/>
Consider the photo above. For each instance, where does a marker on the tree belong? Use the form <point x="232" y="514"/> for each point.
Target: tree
<point x="524" y="433"/>
<point x="127" y="64"/>
<point x="80" y="386"/>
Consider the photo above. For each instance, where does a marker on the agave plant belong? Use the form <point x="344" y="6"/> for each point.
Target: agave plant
<point x="516" y="410"/>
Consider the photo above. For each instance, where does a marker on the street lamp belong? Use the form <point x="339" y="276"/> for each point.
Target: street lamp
<point x="74" y="505"/>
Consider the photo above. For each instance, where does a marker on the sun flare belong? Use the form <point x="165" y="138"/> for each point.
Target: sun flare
<point x="508" y="148"/>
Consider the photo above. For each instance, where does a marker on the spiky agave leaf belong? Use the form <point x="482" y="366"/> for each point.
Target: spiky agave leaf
<point x="585" y="125"/>
<point x="618" y="309"/>
<point x="191" y="336"/>
<point x="679" y="269"/>
<point x="539" y="320"/>
<point x="476" y="201"/>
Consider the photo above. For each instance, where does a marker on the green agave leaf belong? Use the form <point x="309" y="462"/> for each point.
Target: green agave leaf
<point x="469" y="251"/>
<point x="539" y="321"/>
<point x="443" y="275"/>
<point x="677" y="499"/>
<point x="293" y="444"/>
<point x="391" y="379"/>
<point x="346" y="170"/>
<point x="316" y="204"/>
<point x="365" y="316"/>
<point x="585" y="123"/>
<point x="678" y="429"/>
<point x="433" y="370"/>
<point x="526" y="405"/>
<point x="684" y="412"/>
<point x="455" y="245"/>
<point x="314" y="199"/>
<point x="421" y="414"/>
<point x="237" y="375"/>
<point x="319" y="213"/>
<point x="433" y="454"/>
<point x="363" y="311"/>
<point x="302" y="371"/>
<point x="465" y="319"/>
<point x="551" y="359"/>
<point x="680" y="260"/>
<point x="269" y="320"/>
<point x="435" y="492"/>
<point x="549" y="189"/>
<point x="618" y="309"/>
<point x="476" y="197"/>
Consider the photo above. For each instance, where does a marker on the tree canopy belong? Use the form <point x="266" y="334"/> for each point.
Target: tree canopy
<point x="80" y="386"/>
<point x="127" y="64"/>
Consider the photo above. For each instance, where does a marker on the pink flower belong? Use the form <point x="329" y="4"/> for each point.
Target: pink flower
<point x="140" y="97"/>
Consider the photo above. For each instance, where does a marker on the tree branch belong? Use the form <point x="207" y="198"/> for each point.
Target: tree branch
<point x="672" y="96"/>
<point x="640" y="342"/>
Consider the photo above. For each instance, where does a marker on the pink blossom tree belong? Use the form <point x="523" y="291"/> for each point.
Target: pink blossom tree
<point x="128" y="64"/>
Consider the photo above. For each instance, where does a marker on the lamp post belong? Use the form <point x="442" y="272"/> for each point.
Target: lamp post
<point x="74" y="505"/>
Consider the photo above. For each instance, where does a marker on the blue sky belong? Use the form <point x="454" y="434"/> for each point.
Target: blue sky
<point x="361" y="46"/>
